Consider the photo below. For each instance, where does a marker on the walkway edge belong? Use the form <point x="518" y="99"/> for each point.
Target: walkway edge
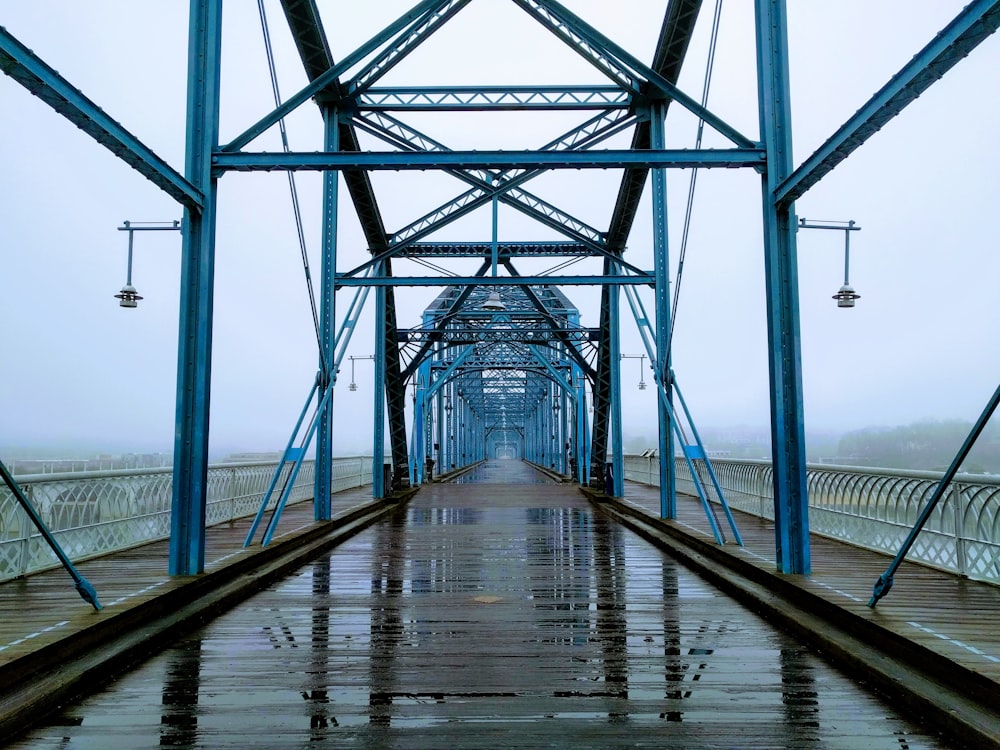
<point x="40" y="682"/>
<point x="930" y="688"/>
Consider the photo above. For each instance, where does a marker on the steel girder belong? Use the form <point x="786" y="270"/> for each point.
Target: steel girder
<point x="505" y="250"/>
<point x="194" y="359"/>
<point x="791" y="498"/>
<point x="974" y="24"/>
<point x="485" y="98"/>
<point x="21" y="64"/>
<point x="394" y="161"/>
<point x="671" y="48"/>
<point x="307" y="30"/>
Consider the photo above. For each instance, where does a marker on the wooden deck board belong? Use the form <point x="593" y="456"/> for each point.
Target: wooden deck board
<point x="945" y="613"/>
<point x="484" y="616"/>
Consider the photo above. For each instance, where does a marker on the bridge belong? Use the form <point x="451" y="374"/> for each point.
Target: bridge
<point x="498" y="572"/>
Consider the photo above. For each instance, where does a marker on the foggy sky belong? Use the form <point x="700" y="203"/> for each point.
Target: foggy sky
<point x="78" y="371"/>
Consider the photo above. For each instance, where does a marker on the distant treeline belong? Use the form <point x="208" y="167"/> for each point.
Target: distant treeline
<point x="923" y="446"/>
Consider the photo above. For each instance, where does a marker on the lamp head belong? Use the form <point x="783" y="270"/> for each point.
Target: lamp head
<point x="846" y="296"/>
<point x="493" y="303"/>
<point x="128" y="297"/>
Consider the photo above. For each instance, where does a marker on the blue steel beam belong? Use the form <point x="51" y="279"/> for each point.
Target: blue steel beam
<point x="661" y="262"/>
<point x="194" y="358"/>
<point x="440" y="322"/>
<point x="21" y="64"/>
<point x="539" y="305"/>
<point x="791" y="498"/>
<point x="485" y="98"/>
<point x="398" y="133"/>
<point x="402" y="46"/>
<point x="319" y="84"/>
<point x="975" y="23"/>
<point x="671" y="48"/>
<point x="608" y="56"/>
<point x="394" y="281"/>
<point x="504" y="250"/>
<point x="502" y="160"/>
<point x="322" y="503"/>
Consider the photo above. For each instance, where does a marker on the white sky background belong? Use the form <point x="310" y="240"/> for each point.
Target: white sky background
<point x="80" y="374"/>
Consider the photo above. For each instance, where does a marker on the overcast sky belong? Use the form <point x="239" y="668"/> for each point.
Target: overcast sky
<point x="80" y="372"/>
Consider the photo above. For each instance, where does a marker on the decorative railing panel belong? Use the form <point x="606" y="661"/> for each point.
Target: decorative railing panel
<point x="872" y="508"/>
<point x="96" y="512"/>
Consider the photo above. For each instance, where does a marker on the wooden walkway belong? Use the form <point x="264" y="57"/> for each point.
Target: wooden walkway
<point x="941" y="612"/>
<point x="484" y="616"/>
<point x="498" y="612"/>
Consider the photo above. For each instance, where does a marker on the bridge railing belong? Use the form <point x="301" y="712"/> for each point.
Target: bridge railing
<point x="871" y="508"/>
<point x="96" y="512"/>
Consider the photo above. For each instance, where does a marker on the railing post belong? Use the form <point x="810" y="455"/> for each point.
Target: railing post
<point x="26" y="527"/>
<point x="761" y="484"/>
<point x="232" y="494"/>
<point x="959" y="506"/>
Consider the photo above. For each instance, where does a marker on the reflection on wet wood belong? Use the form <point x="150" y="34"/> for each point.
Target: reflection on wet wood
<point x="487" y="616"/>
<point x="949" y="615"/>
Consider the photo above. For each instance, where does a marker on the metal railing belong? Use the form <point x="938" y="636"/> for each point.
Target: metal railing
<point x="96" y="512"/>
<point x="871" y="508"/>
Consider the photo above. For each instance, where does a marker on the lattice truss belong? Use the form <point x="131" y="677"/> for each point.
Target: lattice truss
<point x="536" y="336"/>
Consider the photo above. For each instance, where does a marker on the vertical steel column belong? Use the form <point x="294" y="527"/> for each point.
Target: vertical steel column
<point x="379" y="489"/>
<point x="194" y="351"/>
<point x="442" y="458"/>
<point x="322" y="510"/>
<point x="791" y="516"/>
<point x="602" y="391"/>
<point x="617" y="488"/>
<point x="661" y="266"/>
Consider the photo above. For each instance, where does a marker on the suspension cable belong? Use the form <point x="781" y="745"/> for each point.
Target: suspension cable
<point x="291" y="182"/>
<point x="694" y="172"/>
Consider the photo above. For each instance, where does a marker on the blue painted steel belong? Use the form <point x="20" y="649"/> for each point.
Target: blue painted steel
<point x="617" y="488"/>
<point x="289" y="447"/>
<point x="700" y="446"/>
<point x="661" y="362"/>
<point x="294" y="457"/>
<point x="382" y="282"/>
<point x="884" y="582"/>
<point x="402" y="46"/>
<point x="505" y="250"/>
<point x="194" y="366"/>
<point x="21" y="64"/>
<point x="83" y="586"/>
<point x="791" y="509"/>
<point x="379" y="489"/>
<point x="485" y="98"/>
<point x="494" y="250"/>
<point x="502" y="160"/>
<point x="604" y="53"/>
<point x="329" y="78"/>
<point x="969" y="28"/>
<point x="322" y="502"/>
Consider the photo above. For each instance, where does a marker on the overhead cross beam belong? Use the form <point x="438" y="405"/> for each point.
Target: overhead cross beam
<point x="671" y="49"/>
<point x="21" y="64"/>
<point x="975" y="23"/>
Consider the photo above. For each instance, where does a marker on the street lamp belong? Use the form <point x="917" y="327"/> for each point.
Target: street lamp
<point x="128" y="297"/>
<point x="354" y="386"/>
<point x="642" y="368"/>
<point x="846" y="295"/>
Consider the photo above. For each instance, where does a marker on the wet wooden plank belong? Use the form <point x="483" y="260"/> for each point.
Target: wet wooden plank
<point x="493" y="615"/>
<point x="945" y="613"/>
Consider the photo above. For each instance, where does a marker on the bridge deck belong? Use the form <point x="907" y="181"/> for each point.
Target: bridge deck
<point x="495" y="615"/>
<point x="949" y="616"/>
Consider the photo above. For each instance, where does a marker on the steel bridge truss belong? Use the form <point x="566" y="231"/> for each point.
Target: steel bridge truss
<point x="501" y="363"/>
